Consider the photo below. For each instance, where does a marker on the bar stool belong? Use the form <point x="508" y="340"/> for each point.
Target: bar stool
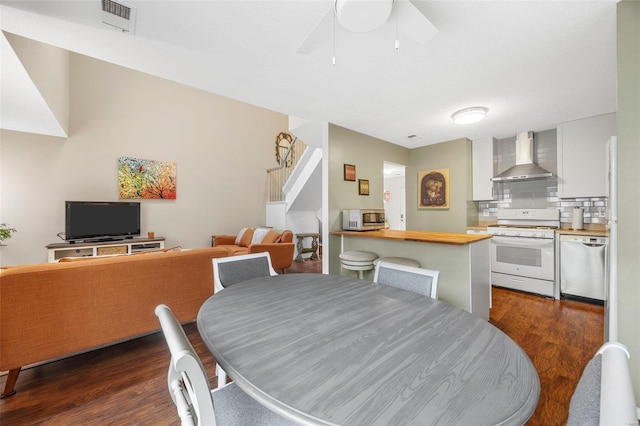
<point x="397" y="260"/>
<point x="359" y="261"/>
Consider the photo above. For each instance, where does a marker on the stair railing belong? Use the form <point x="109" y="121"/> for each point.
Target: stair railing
<point x="279" y="175"/>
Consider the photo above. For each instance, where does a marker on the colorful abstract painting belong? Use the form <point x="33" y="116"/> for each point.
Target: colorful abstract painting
<point x="138" y="178"/>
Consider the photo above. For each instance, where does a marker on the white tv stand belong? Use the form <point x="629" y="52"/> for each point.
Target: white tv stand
<point x="57" y="251"/>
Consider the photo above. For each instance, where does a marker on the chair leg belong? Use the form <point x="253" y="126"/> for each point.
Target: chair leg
<point x="222" y="376"/>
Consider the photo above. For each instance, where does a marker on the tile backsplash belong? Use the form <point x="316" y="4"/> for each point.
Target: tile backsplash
<point x="540" y="194"/>
<point x="536" y="193"/>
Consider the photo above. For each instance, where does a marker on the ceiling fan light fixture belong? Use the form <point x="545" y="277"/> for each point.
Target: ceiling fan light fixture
<point x="469" y="115"/>
<point x="361" y="16"/>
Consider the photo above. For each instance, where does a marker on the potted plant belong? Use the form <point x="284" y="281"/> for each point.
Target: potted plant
<point x="5" y="233"/>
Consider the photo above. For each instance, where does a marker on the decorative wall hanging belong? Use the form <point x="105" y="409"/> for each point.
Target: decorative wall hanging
<point x="138" y="178"/>
<point x="363" y="186"/>
<point x="433" y="189"/>
<point x="283" y="144"/>
<point x="350" y="172"/>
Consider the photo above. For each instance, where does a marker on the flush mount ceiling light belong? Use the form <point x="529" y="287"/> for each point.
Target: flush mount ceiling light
<point x="469" y="115"/>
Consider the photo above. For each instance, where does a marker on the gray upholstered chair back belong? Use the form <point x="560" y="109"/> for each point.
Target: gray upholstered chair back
<point x="419" y="280"/>
<point x="604" y="395"/>
<point x="231" y="270"/>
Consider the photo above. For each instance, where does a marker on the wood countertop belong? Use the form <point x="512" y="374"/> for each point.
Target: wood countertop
<point x="593" y="232"/>
<point x="418" y="236"/>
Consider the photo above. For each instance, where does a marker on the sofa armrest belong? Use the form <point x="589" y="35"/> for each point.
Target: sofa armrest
<point x="281" y="253"/>
<point x="223" y="240"/>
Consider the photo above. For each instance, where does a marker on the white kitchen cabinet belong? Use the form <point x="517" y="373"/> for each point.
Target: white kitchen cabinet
<point x="482" y="151"/>
<point x="582" y="156"/>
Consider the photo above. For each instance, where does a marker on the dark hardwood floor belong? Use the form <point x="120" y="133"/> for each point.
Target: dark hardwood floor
<point x="125" y="384"/>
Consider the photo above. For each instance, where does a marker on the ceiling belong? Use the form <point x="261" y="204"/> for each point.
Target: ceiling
<point x="532" y="63"/>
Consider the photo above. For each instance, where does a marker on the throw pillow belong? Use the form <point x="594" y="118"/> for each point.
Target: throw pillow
<point x="245" y="241"/>
<point x="239" y="237"/>
<point x="271" y="237"/>
<point x="259" y="234"/>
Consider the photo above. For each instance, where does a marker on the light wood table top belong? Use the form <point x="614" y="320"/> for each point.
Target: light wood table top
<point x="323" y="349"/>
<point x="418" y="236"/>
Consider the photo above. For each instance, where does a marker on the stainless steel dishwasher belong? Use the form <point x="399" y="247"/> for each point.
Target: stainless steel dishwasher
<point x="583" y="266"/>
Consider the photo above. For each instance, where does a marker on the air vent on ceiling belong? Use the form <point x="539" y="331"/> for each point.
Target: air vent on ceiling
<point x="119" y="15"/>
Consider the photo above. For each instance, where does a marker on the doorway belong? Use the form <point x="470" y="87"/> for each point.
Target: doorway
<point x="394" y="195"/>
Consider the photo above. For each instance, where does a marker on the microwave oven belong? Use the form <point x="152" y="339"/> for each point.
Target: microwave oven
<point x="363" y="219"/>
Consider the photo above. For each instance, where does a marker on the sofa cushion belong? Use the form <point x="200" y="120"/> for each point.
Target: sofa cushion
<point x="247" y="236"/>
<point x="240" y="234"/>
<point x="259" y="234"/>
<point x="271" y="237"/>
<point x="234" y="250"/>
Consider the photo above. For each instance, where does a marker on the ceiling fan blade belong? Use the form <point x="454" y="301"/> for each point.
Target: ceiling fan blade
<point x="413" y="23"/>
<point x="321" y="32"/>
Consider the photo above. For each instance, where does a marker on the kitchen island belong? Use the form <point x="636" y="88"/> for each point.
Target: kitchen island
<point x="464" y="261"/>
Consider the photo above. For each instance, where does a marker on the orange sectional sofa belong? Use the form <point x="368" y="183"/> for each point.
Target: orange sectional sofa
<point x="279" y="244"/>
<point x="51" y="310"/>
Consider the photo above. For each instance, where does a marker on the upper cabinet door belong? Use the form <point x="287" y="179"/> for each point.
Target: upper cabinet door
<point x="582" y="156"/>
<point x="482" y="164"/>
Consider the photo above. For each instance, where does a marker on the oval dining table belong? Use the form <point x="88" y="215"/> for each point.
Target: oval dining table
<point x="334" y="350"/>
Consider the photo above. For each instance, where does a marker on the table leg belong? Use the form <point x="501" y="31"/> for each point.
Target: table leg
<point x="314" y="247"/>
<point x="299" y="248"/>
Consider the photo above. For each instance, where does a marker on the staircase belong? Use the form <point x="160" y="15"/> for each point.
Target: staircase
<point x="278" y="176"/>
<point x="295" y="187"/>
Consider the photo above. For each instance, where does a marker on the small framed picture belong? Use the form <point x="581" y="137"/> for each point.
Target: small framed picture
<point x="350" y="172"/>
<point x="363" y="186"/>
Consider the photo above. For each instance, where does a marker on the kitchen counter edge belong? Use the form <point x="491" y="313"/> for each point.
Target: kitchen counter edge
<point x="417" y="236"/>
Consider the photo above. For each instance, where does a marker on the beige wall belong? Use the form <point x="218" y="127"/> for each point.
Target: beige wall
<point x="456" y="156"/>
<point x="628" y="178"/>
<point x="222" y="148"/>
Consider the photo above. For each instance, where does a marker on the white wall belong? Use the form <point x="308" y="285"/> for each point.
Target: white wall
<point x="222" y="149"/>
<point x="394" y="209"/>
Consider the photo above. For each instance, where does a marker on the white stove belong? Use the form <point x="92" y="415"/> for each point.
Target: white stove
<point x="523" y="250"/>
<point x="529" y="223"/>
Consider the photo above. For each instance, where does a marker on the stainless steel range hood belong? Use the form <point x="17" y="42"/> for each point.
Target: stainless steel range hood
<point x="525" y="168"/>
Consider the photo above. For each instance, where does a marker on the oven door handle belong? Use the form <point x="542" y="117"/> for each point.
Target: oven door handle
<point x="523" y="241"/>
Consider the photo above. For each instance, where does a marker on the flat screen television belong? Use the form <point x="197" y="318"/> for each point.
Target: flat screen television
<point x="101" y="220"/>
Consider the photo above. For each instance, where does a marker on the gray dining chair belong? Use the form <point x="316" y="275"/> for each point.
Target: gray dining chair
<point x="189" y="388"/>
<point x="419" y="280"/>
<point x="234" y="269"/>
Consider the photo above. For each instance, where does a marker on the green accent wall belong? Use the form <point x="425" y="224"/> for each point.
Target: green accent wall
<point x="628" y="179"/>
<point x="456" y="156"/>
<point x="368" y="154"/>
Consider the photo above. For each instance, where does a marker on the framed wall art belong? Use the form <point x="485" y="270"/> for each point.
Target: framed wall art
<point x="350" y="172"/>
<point x="433" y="189"/>
<point x="138" y="178"/>
<point x="363" y="186"/>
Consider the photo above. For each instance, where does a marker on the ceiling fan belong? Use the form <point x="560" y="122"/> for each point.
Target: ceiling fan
<point x="366" y="15"/>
